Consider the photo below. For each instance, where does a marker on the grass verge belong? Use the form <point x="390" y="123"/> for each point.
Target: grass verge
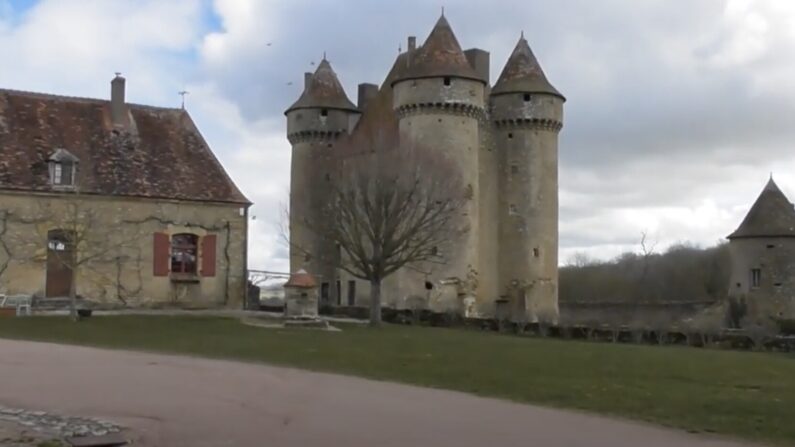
<point x="748" y="395"/>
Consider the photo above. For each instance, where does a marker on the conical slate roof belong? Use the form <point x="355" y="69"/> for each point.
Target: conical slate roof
<point x="439" y="56"/>
<point x="772" y="215"/>
<point x="324" y="91"/>
<point x="523" y="74"/>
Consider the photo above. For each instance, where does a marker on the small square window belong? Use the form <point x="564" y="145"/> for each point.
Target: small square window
<point x="527" y="97"/>
<point x="510" y="136"/>
<point x="324" y="112"/>
<point x="536" y="252"/>
<point x="447" y="81"/>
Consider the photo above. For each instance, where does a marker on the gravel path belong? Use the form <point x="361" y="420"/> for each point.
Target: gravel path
<point x="180" y="401"/>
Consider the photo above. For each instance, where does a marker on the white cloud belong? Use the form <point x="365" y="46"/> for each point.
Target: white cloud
<point x="675" y="115"/>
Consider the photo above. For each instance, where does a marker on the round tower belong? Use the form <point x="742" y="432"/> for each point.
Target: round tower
<point x="527" y="113"/>
<point x="439" y="99"/>
<point x="762" y="250"/>
<point x="314" y="123"/>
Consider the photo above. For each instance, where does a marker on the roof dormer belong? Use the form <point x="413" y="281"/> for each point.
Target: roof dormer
<point x="63" y="169"/>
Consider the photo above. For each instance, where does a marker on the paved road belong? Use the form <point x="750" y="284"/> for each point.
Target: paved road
<point x="180" y="401"/>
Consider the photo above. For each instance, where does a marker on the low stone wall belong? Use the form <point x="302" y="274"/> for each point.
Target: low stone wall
<point x="639" y="332"/>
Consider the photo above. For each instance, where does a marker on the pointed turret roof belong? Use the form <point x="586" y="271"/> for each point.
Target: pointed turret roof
<point x="324" y="91"/>
<point x="523" y="73"/>
<point x="439" y="56"/>
<point x="772" y="215"/>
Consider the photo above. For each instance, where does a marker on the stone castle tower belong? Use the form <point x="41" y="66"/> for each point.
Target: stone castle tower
<point x="504" y="142"/>
<point x="761" y="250"/>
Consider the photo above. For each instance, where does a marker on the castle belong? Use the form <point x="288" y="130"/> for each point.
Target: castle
<point x="504" y="139"/>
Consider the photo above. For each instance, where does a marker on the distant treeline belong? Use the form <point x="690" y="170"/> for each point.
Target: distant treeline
<point x="682" y="273"/>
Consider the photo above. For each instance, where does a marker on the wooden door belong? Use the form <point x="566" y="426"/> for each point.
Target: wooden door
<point x="60" y="255"/>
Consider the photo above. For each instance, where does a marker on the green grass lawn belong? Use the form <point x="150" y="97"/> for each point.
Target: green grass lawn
<point x="749" y="395"/>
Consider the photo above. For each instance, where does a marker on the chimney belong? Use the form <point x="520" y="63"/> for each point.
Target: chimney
<point x="412" y="43"/>
<point x="366" y="93"/>
<point x="411" y="49"/>
<point x="307" y="80"/>
<point x="118" y="108"/>
<point x="479" y="60"/>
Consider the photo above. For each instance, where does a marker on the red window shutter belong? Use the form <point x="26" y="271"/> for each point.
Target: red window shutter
<point x="208" y="255"/>
<point x="161" y="254"/>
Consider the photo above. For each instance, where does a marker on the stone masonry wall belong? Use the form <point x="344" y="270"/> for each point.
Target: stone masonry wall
<point x="119" y="235"/>
<point x="774" y="297"/>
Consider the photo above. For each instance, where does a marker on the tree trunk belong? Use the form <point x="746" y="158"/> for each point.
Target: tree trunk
<point x="73" y="295"/>
<point x="375" y="302"/>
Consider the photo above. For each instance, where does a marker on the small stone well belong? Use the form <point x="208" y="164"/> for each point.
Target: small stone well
<point x="301" y="296"/>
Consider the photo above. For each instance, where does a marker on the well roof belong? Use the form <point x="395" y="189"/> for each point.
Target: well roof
<point x="301" y="279"/>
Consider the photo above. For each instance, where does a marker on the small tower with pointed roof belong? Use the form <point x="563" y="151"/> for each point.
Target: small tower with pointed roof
<point x="440" y="100"/>
<point x="763" y="258"/>
<point x="321" y="115"/>
<point x="527" y="114"/>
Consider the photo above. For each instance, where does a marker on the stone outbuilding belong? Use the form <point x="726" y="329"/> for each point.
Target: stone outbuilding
<point x="121" y="204"/>
<point x="301" y="296"/>
<point x="763" y="258"/>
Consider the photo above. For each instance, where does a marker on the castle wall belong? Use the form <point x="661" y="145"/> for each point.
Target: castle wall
<point x="118" y="248"/>
<point x="775" y="294"/>
<point x="444" y="119"/>
<point x="488" y="248"/>
<point x="527" y="138"/>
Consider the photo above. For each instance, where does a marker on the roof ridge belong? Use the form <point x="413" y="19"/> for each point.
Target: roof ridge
<point x="83" y="99"/>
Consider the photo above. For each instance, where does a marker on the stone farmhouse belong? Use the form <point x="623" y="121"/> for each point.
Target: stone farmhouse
<point x="124" y="203"/>
<point x="503" y="139"/>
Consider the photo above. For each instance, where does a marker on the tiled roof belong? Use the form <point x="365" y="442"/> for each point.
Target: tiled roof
<point x="440" y="55"/>
<point x="301" y="279"/>
<point x="160" y="155"/>
<point x="324" y="91"/>
<point x="772" y="215"/>
<point x="523" y="74"/>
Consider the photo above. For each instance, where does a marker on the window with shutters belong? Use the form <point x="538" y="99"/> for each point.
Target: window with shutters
<point x="184" y="253"/>
<point x="184" y="256"/>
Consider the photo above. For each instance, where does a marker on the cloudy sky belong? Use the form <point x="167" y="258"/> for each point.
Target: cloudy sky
<point x="677" y="110"/>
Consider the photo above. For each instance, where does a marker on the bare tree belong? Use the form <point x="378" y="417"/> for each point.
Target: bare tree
<point x="647" y="251"/>
<point x="87" y="240"/>
<point x="391" y="209"/>
<point x="76" y="236"/>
